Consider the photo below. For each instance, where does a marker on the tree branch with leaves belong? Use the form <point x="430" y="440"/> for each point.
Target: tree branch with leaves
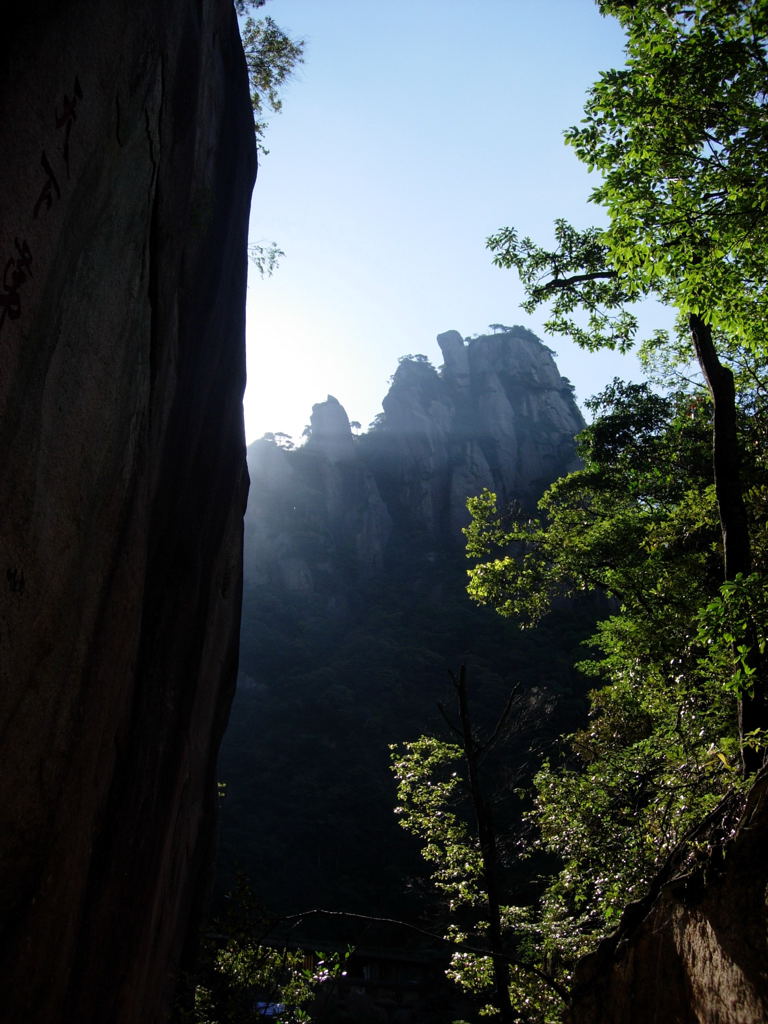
<point x="679" y="136"/>
<point x="271" y="58"/>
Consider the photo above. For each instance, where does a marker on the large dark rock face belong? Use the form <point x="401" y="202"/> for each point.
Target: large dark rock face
<point x="696" y="950"/>
<point x="125" y="182"/>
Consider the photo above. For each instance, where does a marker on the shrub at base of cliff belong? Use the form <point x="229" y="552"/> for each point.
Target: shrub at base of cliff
<point x="245" y="974"/>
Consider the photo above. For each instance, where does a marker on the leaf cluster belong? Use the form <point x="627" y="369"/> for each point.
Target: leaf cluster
<point x="271" y="58"/>
<point x="433" y="793"/>
<point x="243" y="977"/>
<point x="637" y="524"/>
<point x="577" y="275"/>
<point x="679" y="135"/>
<point x="429" y="785"/>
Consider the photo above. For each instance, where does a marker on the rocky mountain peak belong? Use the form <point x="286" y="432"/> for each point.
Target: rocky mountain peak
<point x="455" y="356"/>
<point x="416" y="401"/>
<point x="330" y="430"/>
<point x="497" y="414"/>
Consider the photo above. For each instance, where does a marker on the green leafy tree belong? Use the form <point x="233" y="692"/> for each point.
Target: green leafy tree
<point x="279" y="439"/>
<point x="419" y="357"/>
<point x="244" y="978"/>
<point x="442" y="799"/>
<point x="679" y="137"/>
<point x="639" y="525"/>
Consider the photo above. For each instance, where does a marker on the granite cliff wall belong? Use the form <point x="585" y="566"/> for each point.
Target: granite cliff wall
<point x="498" y="414"/>
<point x="125" y="183"/>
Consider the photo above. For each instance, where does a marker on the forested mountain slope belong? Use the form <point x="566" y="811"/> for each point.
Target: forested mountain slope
<point x="355" y="611"/>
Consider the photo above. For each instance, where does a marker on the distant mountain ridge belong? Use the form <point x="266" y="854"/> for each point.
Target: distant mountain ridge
<point x="497" y="414"/>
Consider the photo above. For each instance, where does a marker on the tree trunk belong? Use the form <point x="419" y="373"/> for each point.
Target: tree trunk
<point x="726" y="454"/>
<point x="726" y="463"/>
<point x="488" y="851"/>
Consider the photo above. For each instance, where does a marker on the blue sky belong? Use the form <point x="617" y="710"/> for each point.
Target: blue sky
<point x="413" y="130"/>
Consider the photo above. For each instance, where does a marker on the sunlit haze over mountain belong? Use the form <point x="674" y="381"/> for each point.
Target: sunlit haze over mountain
<point x="412" y="131"/>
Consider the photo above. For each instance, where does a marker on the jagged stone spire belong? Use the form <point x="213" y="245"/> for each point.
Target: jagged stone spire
<point x="330" y="430"/>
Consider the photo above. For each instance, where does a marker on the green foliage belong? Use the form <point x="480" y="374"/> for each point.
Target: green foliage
<point x="279" y="439"/>
<point x="679" y="137"/>
<point x="638" y="524"/>
<point x="576" y="275"/>
<point x="243" y="979"/>
<point x="265" y="257"/>
<point x="243" y="7"/>
<point x="433" y="805"/>
<point x="428" y="783"/>
<point x="657" y="755"/>
<point x="271" y="57"/>
<point x="419" y="357"/>
<point x="732" y="626"/>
